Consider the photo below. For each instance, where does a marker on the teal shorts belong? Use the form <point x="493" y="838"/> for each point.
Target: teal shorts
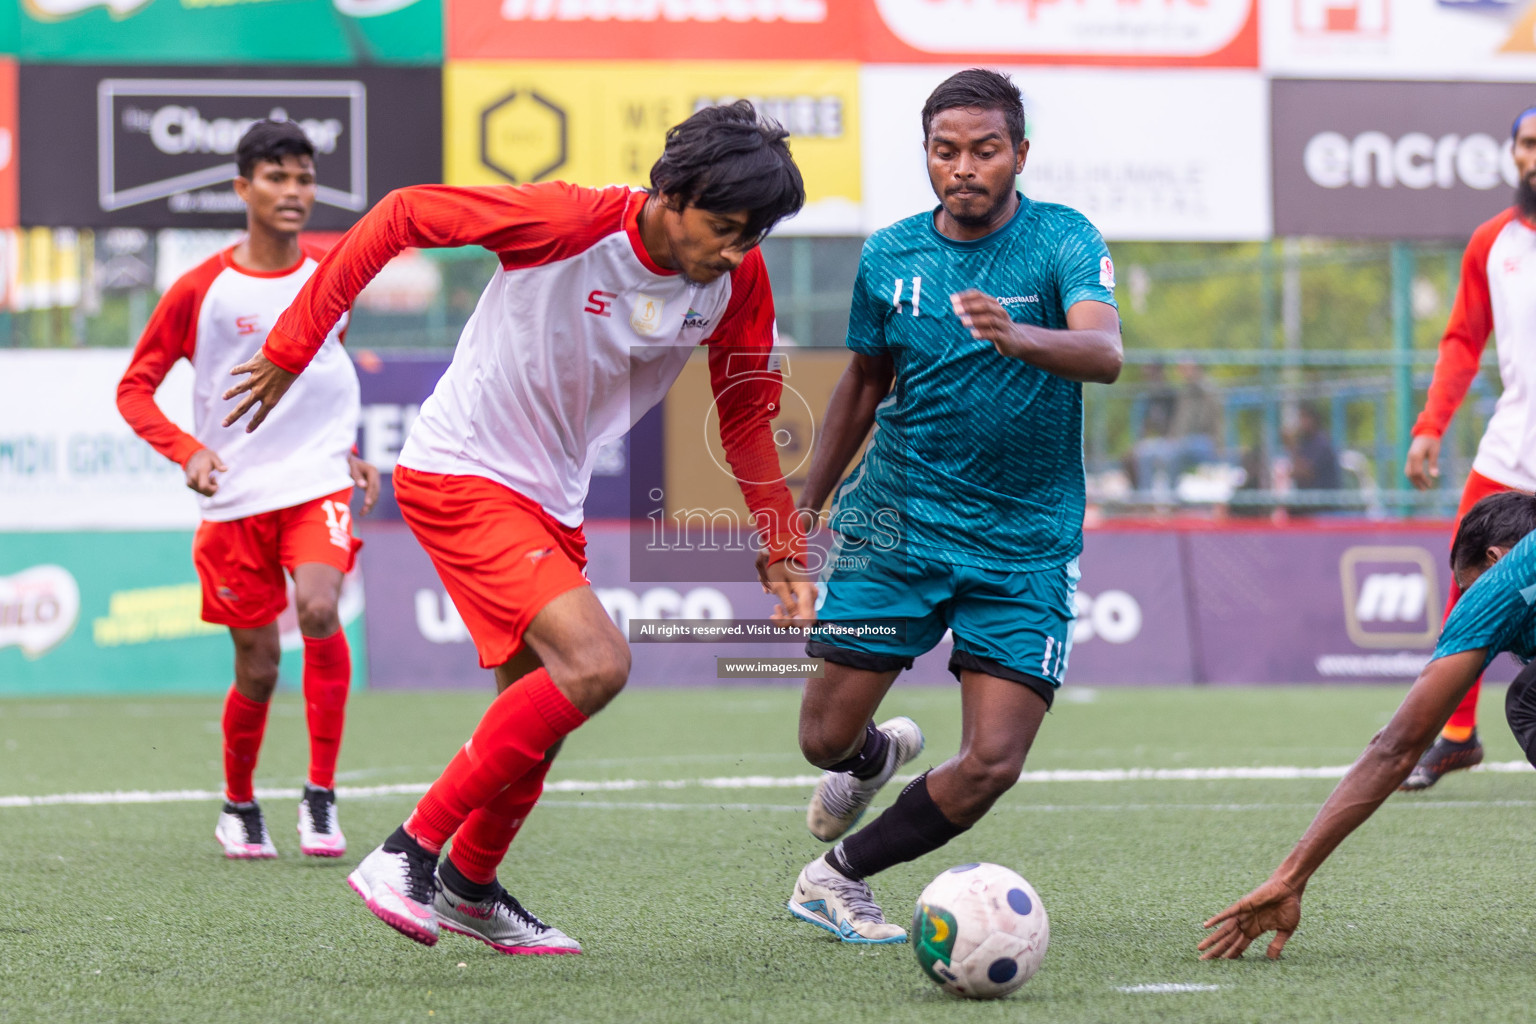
<point x="880" y="611"/>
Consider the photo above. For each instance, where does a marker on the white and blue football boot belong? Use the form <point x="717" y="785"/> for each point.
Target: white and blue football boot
<point x="846" y="908"/>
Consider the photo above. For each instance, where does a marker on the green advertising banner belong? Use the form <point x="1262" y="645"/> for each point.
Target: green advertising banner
<point x="114" y="613"/>
<point x="216" y="31"/>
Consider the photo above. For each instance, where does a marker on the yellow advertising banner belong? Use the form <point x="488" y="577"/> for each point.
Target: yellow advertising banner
<point x="602" y="123"/>
<point x="698" y="475"/>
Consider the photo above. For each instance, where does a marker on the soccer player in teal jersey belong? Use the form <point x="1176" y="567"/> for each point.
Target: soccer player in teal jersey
<point x="1494" y="548"/>
<point x="966" y="511"/>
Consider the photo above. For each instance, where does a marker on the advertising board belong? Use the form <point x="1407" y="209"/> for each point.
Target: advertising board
<point x="1132" y="623"/>
<point x="154" y="147"/>
<point x="118" y="613"/>
<point x="1217" y="33"/>
<point x="1190" y="165"/>
<point x="236" y="31"/>
<point x="1452" y="39"/>
<point x="1392" y="159"/>
<point x="599" y="124"/>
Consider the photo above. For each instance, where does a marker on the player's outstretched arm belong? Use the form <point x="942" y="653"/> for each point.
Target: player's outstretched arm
<point x="1276" y="905"/>
<point x="1089" y="350"/>
<point x="421" y="217"/>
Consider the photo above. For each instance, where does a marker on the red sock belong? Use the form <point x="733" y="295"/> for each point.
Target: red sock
<point x="245" y="722"/>
<point x="518" y="729"/>
<point x="1464" y="719"/>
<point x="327" y="674"/>
<point x="481" y="842"/>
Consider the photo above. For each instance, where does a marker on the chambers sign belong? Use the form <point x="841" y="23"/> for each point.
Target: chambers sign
<point x="1391" y="159"/>
<point x="162" y="153"/>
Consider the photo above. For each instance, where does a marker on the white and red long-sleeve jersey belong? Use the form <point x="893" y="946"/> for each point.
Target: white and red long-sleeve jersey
<point x="217" y="316"/>
<point x="576" y="336"/>
<point x="1498" y="294"/>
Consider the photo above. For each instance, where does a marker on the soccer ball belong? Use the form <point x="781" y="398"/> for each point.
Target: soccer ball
<point x="980" y="931"/>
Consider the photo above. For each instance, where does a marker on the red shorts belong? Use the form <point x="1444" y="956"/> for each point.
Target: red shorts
<point x="1478" y="487"/>
<point x="241" y="561"/>
<point x="501" y="557"/>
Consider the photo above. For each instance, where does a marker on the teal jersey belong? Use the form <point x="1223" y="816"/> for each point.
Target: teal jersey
<point x="976" y="458"/>
<point x="1498" y="612"/>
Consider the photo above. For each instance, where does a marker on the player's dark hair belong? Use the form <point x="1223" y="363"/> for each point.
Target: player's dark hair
<point x="978" y="89"/>
<point x="725" y="159"/>
<point x="269" y="142"/>
<point x="1498" y="521"/>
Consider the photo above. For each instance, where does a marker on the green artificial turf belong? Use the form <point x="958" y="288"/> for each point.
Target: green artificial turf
<point x="129" y="913"/>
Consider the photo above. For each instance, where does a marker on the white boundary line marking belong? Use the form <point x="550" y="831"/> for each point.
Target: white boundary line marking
<point x="737" y="782"/>
<point x="1165" y="987"/>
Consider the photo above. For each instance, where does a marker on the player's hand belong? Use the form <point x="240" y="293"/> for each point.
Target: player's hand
<point x="1423" y="466"/>
<point x="1273" y="907"/>
<point x="200" y="469"/>
<point x="265" y="385"/>
<point x="366" y="476"/>
<point x="987" y="320"/>
<point x="794" y="589"/>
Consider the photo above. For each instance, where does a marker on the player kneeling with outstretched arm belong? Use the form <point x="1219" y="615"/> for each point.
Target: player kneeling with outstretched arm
<point x="1496" y="615"/>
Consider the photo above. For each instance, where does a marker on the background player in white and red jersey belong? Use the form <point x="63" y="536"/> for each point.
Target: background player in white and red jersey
<point x="1497" y="294"/>
<point x="270" y="501"/>
<point x="600" y="298"/>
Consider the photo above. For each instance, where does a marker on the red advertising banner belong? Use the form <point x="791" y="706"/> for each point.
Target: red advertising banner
<point x="8" y="137"/>
<point x="1142" y="33"/>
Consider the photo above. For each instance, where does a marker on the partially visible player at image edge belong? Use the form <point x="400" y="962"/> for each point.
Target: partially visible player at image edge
<point x="1498" y="294"/>
<point x="600" y="297"/>
<point x="987" y="314"/>
<point x="273" y="501"/>
<point x="1494" y="561"/>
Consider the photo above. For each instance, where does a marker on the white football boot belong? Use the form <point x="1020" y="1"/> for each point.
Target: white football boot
<point x="846" y="908"/>
<point x="501" y="923"/>
<point x="840" y="799"/>
<point x="397" y="886"/>
<point x="242" y="831"/>
<point x="319" y="830"/>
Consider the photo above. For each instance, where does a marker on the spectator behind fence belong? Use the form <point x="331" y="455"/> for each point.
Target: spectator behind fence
<point x="1193" y="427"/>
<point x="1314" y="461"/>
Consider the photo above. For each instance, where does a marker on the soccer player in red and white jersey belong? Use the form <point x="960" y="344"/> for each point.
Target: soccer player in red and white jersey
<point x="270" y="501"/>
<point x="1497" y="294"/>
<point x="599" y="299"/>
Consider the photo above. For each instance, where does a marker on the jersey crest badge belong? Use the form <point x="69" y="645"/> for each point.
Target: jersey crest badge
<point x="646" y="318"/>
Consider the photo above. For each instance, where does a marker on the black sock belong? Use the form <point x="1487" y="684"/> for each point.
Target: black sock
<point x="909" y="828"/>
<point x="463" y="888"/>
<point x="401" y="841"/>
<point x="870" y="760"/>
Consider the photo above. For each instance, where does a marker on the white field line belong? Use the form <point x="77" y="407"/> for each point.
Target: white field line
<point x="1278" y="772"/>
<point x="1165" y="987"/>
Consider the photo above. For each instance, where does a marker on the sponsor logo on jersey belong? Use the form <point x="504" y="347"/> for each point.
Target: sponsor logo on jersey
<point x="600" y="303"/>
<point x="693" y="318"/>
<point x="1016" y="300"/>
<point x="248" y="324"/>
<point x="38" y="608"/>
<point x="1390" y="596"/>
<point x="646" y="316"/>
<point x="1106" y="272"/>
